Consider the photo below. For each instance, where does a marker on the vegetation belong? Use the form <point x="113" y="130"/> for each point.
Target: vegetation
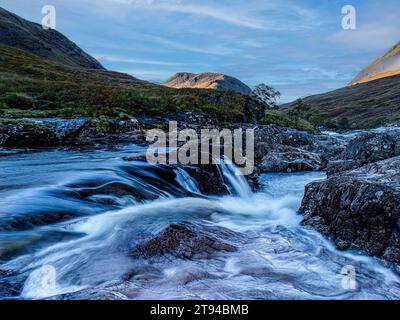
<point x="33" y="87"/>
<point x="276" y="117"/>
<point x="363" y="106"/>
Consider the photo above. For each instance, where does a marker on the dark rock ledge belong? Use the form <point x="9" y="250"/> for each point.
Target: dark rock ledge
<point x="359" y="209"/>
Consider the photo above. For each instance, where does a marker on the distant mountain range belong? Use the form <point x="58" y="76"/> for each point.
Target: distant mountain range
<point x="385" y="66"/>
<point x="48" y="44"/>
<point x="207" y="80"/>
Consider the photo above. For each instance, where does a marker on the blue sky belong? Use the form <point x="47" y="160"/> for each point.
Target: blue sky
<point x="299" y="47"/>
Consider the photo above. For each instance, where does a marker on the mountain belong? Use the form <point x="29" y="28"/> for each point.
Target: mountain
<point x="365" y="105"/>
<point x="207" y="80"/>
<point x="48" y="44"/>
<point x="385" y="66"/>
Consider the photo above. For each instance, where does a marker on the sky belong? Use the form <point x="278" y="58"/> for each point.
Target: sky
<point x="297" y="46"/>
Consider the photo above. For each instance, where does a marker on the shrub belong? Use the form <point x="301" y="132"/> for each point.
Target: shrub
<point x="18" y="101"/>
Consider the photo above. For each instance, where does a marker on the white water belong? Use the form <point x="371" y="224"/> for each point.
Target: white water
<point x="276" y="257"/>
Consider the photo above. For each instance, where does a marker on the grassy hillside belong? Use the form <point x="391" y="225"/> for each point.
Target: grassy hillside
<point x="365" y="105"/>
<point x="31" y="86"/>
<point x="48" y="44"/>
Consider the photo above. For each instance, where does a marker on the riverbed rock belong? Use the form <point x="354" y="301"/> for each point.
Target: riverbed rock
<point x="359" y="209"/>
<point x="289" y="159"/>
<point x="186" y="241"/>
<point x="24" y="134"/>
<point x="340" y="166"/>
<point x="370" y="147"/>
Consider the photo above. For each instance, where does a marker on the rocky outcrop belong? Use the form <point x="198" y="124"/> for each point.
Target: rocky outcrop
<point x="279" y="149"/>
<point x="207" y="80"/>
<point x="359" y="209"/>
<point x="289" y="159"/>
<point x="22" y="134"/>
<point x="366" y="148"/>
<point x="186" y="241"/>
<point x="48" y="44"/>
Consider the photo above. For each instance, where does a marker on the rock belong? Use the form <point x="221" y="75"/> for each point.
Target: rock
<point x="272" y="134"/>
<point x="186" y="241"/>
<point x="370" y="147"/>
<point x="208" y="179"/>
<point x="188" y="119"/>
<point x="288" y="159"/>
<point x="340" y="166"/>
<point x="18" y="134"/>
<point x="359" y="209"/>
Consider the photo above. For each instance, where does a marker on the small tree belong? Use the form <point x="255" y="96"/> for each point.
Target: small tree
<point x="344" y="123"/>
<point x="267" y="95"/>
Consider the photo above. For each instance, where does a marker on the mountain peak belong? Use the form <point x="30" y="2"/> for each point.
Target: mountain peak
<point x="385" y="66"/>
<point x="48" y="44"/>
<point x="207" y="80"/>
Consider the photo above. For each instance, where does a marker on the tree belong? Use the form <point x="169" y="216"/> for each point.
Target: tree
<point x="267" y="95"/>
<point x="344" y="123"/>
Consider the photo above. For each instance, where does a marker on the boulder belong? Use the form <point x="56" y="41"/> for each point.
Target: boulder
<point x="186" y="241"/>
<point x="359" y="209"/>
<point x="289" y="159"/>
<point x="340" y="166"/>
<point x="370" y="147"/>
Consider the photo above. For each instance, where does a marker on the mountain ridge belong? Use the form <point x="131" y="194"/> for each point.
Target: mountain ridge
<point x="207" y="80"/>
<point x="385" y="66"/>
<point x="18" y="32"/>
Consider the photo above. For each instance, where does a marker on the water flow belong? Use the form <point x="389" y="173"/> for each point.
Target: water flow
<point x="236" y="183"/>
<point x="48" y="247"/>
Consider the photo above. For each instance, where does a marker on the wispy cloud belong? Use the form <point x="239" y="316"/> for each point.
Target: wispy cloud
<point x="120" y="59"/>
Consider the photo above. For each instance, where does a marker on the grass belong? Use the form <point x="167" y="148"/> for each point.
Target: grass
<point x="33" y="87"/>
<point x="366" y="105"/>
<point x="281" y="119"/>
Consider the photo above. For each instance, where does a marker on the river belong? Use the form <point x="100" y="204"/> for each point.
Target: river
<point x="69" y="219"/>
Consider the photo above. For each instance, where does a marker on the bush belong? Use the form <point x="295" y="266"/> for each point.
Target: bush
<point x="18" y="101"/>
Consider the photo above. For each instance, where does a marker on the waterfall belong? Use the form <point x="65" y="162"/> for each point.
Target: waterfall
<point x="186" y="181"/>
<point x="236" y="183"/>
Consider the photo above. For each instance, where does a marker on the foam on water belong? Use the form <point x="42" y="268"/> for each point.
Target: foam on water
<point x="276" y="258"/>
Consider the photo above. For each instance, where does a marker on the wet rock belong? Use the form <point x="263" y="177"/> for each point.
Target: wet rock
<point x="272" y="134"/>
<point x="186" y="241"/>
<point x="192" y="118"/>
<point x="289" y="159"/>
<point x="371" y="147"/>
<point x="24" y="134"/>
<point x="340" y="166"/>
<point x="359" y="209"/>
<point x="208" y="179"/>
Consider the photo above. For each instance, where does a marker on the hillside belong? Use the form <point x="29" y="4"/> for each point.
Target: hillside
<point x="207" y="80"/>
<point x="48" y="44"/>
<point x="366" y="105"/>
<point x="385" y="66"/>
<point x="33" y="87"/>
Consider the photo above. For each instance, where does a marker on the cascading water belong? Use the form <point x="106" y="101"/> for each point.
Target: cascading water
<point x="75" y="236"/>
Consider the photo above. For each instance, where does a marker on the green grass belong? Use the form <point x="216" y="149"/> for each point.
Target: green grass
<point x="281" y="119"/>
<point x="367" y="105"/>
<point x="33" y="87"/>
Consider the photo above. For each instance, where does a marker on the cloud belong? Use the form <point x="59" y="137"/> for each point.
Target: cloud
<point x="114" y="58"/>
<point x="246" y="14"/>
<point x="147" y="74"/>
